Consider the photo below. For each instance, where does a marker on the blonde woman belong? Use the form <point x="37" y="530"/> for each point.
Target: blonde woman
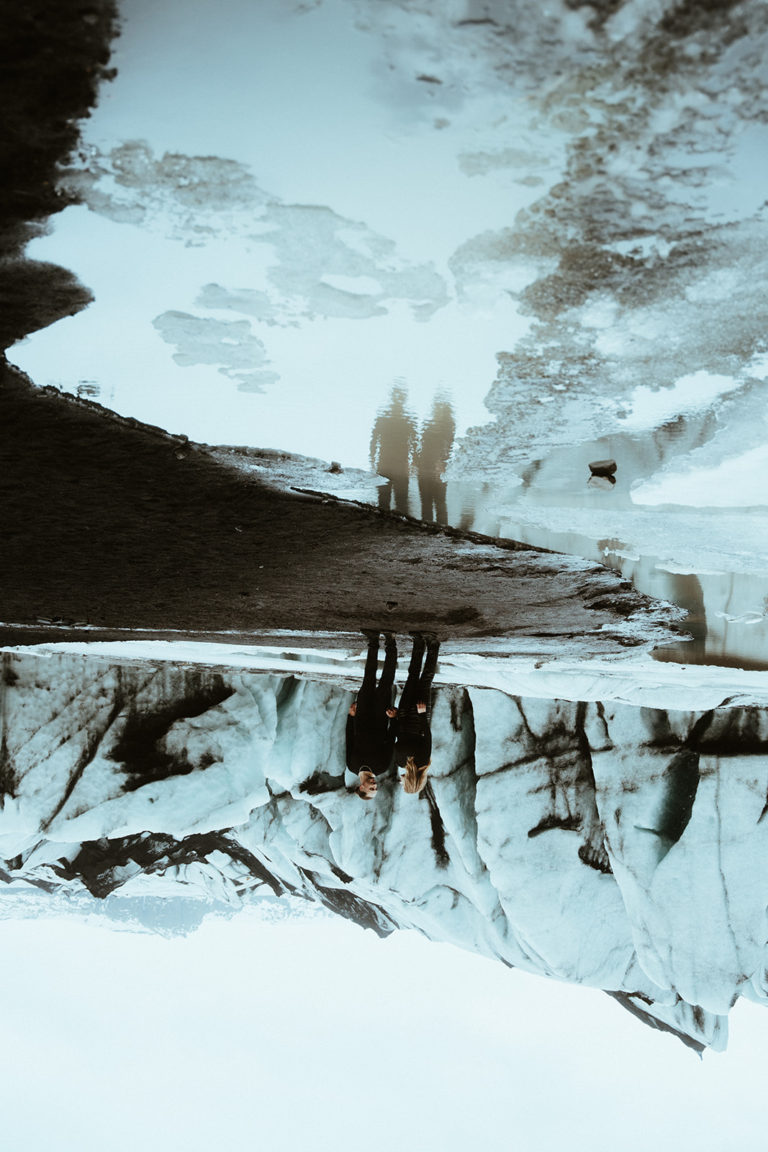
<point x="413" y="738"/>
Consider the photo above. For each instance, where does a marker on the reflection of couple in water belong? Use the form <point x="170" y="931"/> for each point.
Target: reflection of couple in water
<point x="379" y="734"/>
<point x="397" y="449"/>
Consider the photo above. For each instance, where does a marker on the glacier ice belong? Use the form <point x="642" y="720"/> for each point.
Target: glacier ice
<point x="617" y="845"/>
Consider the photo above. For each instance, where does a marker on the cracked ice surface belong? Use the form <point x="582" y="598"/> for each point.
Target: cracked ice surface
<point x="143" y="778"/>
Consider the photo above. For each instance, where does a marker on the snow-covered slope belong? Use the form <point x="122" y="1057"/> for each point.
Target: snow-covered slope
<point x="615" y="846"/>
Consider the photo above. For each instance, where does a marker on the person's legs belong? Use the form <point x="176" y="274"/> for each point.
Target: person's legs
<point x="424" y="689"/>
<point x="400" y="485"/>
<point x="409" y="697"/>
<point x="430" y="664"/>
<point x="425" y="496"/>
<point x="387" y="678"/>
<point x="440" y="502"/>
<point x="367" y="694"/>
<point x="385" y="495"/>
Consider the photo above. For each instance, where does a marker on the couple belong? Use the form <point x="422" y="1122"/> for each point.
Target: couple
<point x="377" y="733"/>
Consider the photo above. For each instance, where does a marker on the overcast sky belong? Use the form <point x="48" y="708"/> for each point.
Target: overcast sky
<point x="314" y="1034"/>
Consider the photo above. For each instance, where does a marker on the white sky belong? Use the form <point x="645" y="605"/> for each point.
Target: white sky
<point x="315" y="1034"/>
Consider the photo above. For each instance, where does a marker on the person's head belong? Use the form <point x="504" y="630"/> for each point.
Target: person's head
<point x="415" y="778"/>
<point x="368" y="786"/>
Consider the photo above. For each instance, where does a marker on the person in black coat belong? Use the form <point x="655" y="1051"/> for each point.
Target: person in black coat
<point x="370" y="740"/>
<point x="413" y="738"/>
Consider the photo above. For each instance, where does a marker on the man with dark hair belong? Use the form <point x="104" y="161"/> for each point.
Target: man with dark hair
<point x="369" y="738"/>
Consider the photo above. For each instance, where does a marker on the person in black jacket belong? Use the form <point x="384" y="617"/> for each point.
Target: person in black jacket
<point x="413" y="747"/>
<point x="370" y="739"/>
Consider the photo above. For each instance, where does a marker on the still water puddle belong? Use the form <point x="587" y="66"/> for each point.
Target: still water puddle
<point x="260" y="234"/>
<point x="727" y="615"/>
<point x="462" y="253"/>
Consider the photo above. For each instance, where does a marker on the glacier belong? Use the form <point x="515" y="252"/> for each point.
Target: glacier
<point x="611" y="844"/>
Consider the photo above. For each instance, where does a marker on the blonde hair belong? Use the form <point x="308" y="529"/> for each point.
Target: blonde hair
<point x="415" y="778"/>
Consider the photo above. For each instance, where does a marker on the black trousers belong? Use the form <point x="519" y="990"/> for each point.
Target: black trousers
<point x="418" y="685"/>
<point x="374" y="698"/>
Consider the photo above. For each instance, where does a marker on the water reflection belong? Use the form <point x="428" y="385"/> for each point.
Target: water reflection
<point x="602" y="474"/>
<point x="601" y="283"/>
<point x="566" y="501"/>
<point x="608" y="844"/>
<point x="399" y="448"/>
<point x="434" y="451"/>
<point x="90" y="389"/>
<point x="392" y="450"/>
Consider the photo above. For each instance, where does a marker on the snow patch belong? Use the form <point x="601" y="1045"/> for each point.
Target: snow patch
<point x="649" y="407"/>
<point x="732" y="484"/>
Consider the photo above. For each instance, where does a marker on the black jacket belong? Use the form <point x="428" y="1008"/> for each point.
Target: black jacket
<point x="414" y="738"/>
<point x="367" y="747"/>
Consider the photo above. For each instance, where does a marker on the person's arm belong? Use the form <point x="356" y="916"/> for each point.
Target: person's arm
<point x="350" y="738"/>
<point x="392" y="722"/>
<point x="423" y="719"/>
